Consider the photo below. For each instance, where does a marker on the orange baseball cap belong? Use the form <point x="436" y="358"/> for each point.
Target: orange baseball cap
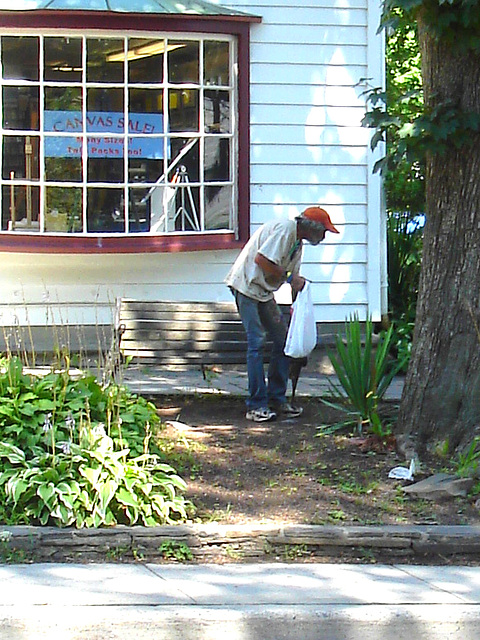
<point x="317" y="214"/>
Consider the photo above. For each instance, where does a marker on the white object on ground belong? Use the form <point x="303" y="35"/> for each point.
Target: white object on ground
<point x="402" y="473"/>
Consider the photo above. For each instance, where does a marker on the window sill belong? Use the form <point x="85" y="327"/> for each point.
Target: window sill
<point x="172" y="243"/>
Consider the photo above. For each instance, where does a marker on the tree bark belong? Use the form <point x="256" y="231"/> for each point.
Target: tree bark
<point x="441" y="398"/>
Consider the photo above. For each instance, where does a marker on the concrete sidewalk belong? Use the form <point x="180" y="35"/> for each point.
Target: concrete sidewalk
<point x="312" y="383"/>
<point x="238" y="602"/>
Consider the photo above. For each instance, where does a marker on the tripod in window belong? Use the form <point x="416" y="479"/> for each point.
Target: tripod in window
<point x="186" y="216"/>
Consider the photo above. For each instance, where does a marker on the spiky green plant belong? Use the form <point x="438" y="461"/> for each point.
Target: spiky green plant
<point x="364" y="369"/>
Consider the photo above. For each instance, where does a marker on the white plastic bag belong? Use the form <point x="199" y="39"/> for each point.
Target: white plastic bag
<point x="302" y="332"/>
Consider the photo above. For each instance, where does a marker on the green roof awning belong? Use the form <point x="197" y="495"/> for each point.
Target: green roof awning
<point x="172" y="7"/>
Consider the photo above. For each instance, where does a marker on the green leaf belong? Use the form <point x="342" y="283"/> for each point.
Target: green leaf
<point x="16" y="487"/>
<point x="47" y="493"/>
<point x="45" y="405"/>
<point x="106" y="492"/>
<point x="127" y="498"/>
<point x="91" y="474"/>
<point x="12" y="453"/>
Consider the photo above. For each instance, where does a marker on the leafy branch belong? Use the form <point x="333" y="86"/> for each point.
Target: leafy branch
<point x="457" y="22"/>
<point x="435" y="130"/>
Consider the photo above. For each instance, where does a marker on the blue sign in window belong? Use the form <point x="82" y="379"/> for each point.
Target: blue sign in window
<point x="105" y="146"/>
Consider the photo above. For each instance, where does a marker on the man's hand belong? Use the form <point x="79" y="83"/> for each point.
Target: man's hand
<point x="297" y="283"/>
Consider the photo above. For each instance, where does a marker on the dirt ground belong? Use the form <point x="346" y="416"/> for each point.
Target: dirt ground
<point x="290" y="472"/>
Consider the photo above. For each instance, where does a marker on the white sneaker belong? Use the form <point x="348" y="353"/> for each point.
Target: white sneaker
<point x="263" y="414"/>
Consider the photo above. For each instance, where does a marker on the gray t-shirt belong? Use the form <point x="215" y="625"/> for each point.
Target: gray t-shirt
<point x="276" y="241"/>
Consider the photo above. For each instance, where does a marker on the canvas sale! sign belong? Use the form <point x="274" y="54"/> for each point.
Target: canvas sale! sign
<point x="141" y="128"/>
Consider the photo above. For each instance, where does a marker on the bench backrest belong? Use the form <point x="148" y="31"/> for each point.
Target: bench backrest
<point x="182" y="332"/>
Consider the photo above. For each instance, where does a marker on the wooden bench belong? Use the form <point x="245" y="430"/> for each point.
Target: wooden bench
<point x="181" y="333"/>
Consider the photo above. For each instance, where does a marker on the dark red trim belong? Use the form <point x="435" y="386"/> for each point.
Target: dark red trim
<point x="126" y="21"/>
<point x="243" y="197"/>
<point x="85" y="20"/>
<point x="25" y="243"/>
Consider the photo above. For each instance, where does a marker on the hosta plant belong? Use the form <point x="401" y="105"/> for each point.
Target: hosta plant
<point x="74" y="452"/>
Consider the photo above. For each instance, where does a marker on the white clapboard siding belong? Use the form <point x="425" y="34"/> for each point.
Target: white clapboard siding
<point x="351" y="35"/>
<point x="326" y="174"/>
<point x="294" y="115"/>
<point x="308" y="64"/>
<point x="323" y="16"/>
<point x="313" y="132"/>
<point x="314" y="54"/>
<point x="304" y="195"/>
<point x="336" y="75"/>
<point x="296" y="155"/>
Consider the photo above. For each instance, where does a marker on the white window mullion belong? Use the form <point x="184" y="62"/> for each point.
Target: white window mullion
<point x="126" y="111"/>
<point x="233" y="89"/>
<point x="166" y="128"/>
<point x="201" y="142"/>
<point x="41" y="146"/>
<point x="84" y="136"/>
<point x="1" y="126"/>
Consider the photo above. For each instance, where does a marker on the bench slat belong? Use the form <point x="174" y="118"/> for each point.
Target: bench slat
<point x="154" y="326"/>
<point x="188" y="316"/>
<point x="186" y="345"/>
<point x="176" y="358"/>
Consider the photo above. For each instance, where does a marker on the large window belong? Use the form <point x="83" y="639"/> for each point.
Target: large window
<point x="118" y="135"/>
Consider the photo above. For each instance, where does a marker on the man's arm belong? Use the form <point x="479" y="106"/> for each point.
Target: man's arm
<point x="269" y="268"/>
<point x="276" y="271"/>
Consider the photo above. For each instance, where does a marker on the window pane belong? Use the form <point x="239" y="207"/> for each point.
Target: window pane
<point x="63" y="59"/>
<point x="20" y="157"/>
<point x="162" y="208"/>
<point x="63" y="159"/>
<point x="105" y="160"/>
<point x="105" y="60"/>
<point x="184" y="205"/>
<point x="145" y="159"/>
<point x="63" y="111"/>
<point x="20" y="108"/>
<point x="183" y="61"/>
<point x="146" y="101"/>
<point x="63" y="99"/>
<point x="20" y="57"/>
<point x="105" y="110"/>
<point x="217" y="159"/>
<point x="184" y="114"/>
<point x="20" y="207"/>
<point x="217" y="111"/>
<point x="63" y="209"/>
<point x="139" y="210"/>
<point x="216" y="63"/>
<point x="105" y="210"/>
<point x="185" y="160"/>
<point x="145" y="60"/>
<point x="218" y="204"/>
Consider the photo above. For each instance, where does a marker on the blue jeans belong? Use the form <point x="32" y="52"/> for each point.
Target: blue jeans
<point x="259" y="318"/>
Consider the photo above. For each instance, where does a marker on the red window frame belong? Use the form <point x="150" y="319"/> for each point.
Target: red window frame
<point x="168" y="243"/>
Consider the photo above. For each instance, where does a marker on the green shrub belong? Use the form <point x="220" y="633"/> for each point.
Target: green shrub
<point x="405" y="243"/>
<point x="75" y="452"/>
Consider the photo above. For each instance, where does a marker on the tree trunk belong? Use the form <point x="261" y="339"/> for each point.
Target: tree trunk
<point x="441" y="398"/>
